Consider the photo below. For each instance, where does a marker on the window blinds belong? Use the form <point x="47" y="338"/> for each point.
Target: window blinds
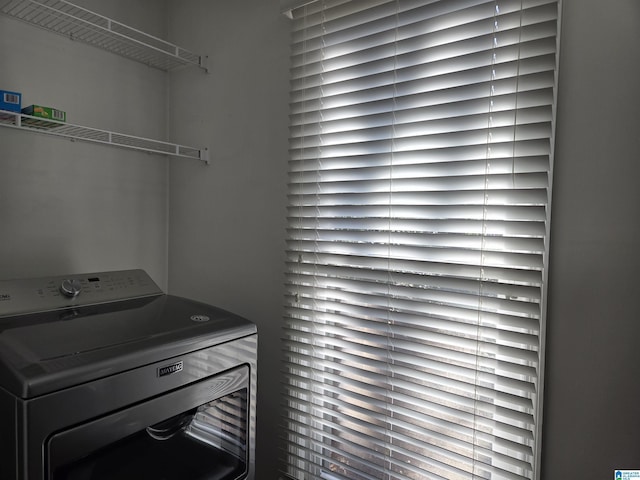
<point x="421" y="144"/>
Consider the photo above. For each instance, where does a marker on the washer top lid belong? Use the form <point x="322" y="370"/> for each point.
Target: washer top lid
<point x="45" y="351"/>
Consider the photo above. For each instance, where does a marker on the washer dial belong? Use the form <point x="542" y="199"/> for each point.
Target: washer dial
<point x="70" y="287"/>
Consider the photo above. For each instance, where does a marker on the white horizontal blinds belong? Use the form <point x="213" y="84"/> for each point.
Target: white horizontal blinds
<point x="420" y="171"/>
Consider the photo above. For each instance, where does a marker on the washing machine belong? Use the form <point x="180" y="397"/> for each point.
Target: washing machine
<point x="103" y="376"/>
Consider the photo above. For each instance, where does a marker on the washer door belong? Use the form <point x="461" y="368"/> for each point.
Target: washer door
<point x="196" y="433"/>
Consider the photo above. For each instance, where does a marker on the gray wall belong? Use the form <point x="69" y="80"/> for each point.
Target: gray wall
<point x="591" y="413"/>
<point x="214" y="233"/>
<point x="226" y="241"/>
<point x="72" y="207"/>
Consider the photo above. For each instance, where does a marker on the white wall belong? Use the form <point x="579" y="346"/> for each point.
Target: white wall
<point x="71" y="207"/>
<point x="591" y="414"/>
<point x="226" y="242"/>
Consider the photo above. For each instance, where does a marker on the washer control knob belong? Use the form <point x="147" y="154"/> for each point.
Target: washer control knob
<point x="70" y="287"/>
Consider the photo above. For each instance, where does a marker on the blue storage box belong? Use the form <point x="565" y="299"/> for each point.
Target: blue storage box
<point x="11" y="101"/>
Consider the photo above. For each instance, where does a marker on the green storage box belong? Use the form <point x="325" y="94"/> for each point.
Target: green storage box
<point x="47" y="113"/>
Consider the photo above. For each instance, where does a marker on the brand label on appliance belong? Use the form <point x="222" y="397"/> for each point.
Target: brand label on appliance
<point x="4" y="297"/>
<point x="170" y="369"/>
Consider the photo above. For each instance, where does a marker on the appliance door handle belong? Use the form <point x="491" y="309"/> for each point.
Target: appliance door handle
<point x="168" y="428"/>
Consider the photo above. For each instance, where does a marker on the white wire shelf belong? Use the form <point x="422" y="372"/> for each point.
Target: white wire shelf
<point x="80" y="24"/>
<point x="76" y="132"/>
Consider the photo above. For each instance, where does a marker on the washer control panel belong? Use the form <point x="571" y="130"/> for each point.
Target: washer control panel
<point x="50" y="293"/>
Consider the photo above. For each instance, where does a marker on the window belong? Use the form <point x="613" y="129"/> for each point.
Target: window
<point x="421" y="143"/>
